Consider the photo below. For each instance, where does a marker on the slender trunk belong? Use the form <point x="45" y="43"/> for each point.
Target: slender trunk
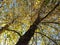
<point x="27" y="36"/>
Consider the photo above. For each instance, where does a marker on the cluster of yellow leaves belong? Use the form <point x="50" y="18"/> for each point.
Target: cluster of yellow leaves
<point x="7" y="38"/>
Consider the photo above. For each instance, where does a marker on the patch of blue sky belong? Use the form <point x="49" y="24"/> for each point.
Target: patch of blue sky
<point x="11" y="5"/>
<point x="5" y="6"/>
<point x="14" y="3"/>
<point x="6" y="10"/>
<point x="5" y="36"/>
<point x="0" y="5"/>
<point x="54" y="36"/>
<point x="38" y="42"/>
<point x="59" y="33"/>
<point x="52" y="30"/>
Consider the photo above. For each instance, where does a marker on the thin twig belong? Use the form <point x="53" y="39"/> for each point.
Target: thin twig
<point x="47" y="37"/>
<point x="14" y="32"/>
<point x="51" y="22"/>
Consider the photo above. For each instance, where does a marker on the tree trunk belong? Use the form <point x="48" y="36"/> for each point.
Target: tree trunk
<point x="27" y="36"/>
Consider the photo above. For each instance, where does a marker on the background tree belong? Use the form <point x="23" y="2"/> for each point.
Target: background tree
<point x="30" y="20"/>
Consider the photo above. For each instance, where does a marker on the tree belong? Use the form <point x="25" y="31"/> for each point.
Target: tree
<point x="37" y="19"/>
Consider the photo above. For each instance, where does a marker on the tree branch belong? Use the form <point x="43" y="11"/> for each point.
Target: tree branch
<point x="51" y="11"/>
<point x="47" y="37"/>
<point x="7" y="25"/>
<point x="51" y="22"/>
<point x="14" y="32"/>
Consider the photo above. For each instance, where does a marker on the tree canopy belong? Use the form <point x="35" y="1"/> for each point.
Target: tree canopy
<point x="29" y="22"/>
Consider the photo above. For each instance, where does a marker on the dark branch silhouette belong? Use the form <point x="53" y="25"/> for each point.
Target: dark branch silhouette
<point x="24" y="40"/>
<point x="51" y="22"/>
<point x="14" y="32"/>
<point x="51" y="10"/>
<point x="7" y="25"/>
<point x="47" y="37"/>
